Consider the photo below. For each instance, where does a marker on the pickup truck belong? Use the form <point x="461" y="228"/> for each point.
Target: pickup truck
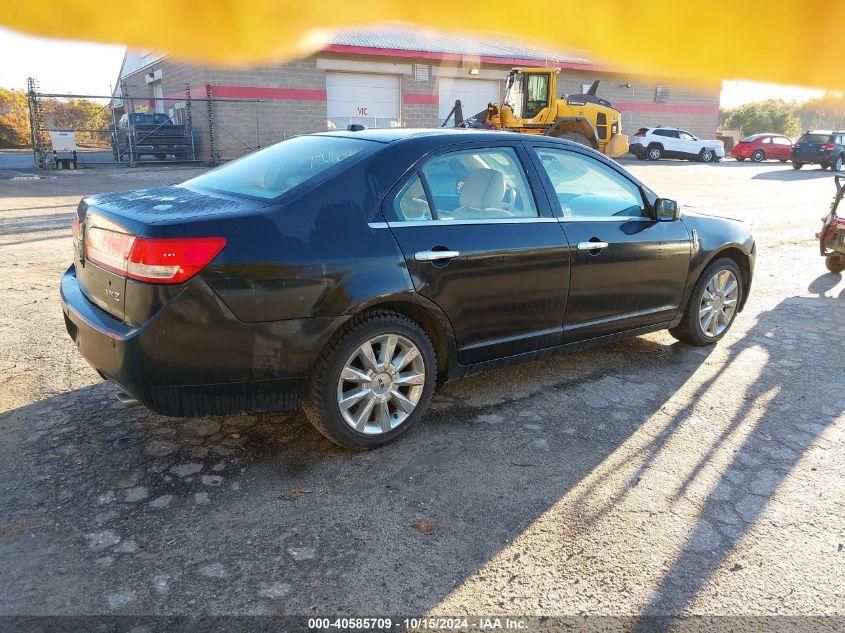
<point x="152" y="133"/>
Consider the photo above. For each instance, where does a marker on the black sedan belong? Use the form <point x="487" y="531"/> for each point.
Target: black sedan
<point x="347" y="272"/>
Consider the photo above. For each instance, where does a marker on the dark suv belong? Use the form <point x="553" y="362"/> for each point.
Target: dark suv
<point x="822" y="148"/>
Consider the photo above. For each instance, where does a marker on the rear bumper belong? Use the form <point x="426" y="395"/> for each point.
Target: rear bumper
<point x="194" y="357"/>
<point x="814" y="157"/>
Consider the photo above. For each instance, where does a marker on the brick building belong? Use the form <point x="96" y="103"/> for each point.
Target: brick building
<point x="394" y="76"/>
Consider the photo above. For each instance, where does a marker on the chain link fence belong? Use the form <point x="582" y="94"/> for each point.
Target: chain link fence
<point x="74" y="130"/>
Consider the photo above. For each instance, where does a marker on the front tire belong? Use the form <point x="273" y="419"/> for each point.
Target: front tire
<point x="372" y="381"/>
<point x="797" y="166"/>
<point x="835" y="262"/>
<point x="713" y="304"/>
<point x="758" y="156"/>
<point x="706" y="155"/>
<point x="837" y="165"/>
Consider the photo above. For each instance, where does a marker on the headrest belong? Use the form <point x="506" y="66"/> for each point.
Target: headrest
<point x="484" y="188"/>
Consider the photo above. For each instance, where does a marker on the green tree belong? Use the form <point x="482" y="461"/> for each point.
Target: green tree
<point x="14" y="118"/>
<point x="773" y="115"/>
<point x="824" y="113"/>
<point x="90" y="120"/>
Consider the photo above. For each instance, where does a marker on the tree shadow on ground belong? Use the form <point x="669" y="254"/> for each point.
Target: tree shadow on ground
<point x="784" y="411"/>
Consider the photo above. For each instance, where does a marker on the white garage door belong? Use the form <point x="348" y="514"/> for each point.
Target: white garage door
<point x="358" y="98"/>
<point x="474" y="94"/>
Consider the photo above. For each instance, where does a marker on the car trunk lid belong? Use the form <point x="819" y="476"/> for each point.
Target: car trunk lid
<point x="114" y="258"/>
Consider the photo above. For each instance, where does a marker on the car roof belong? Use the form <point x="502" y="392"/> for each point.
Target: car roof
<point x="390" y="135"/>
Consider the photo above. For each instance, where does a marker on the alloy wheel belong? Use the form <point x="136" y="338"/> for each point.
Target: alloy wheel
<point x="654" y="153"/>
<point x="707" y="156"/>
<point x="718" y="303"/>
<point x="381" y="384"/>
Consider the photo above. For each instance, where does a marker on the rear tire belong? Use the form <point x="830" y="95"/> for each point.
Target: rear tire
<point x="797" y="165"/>
<point x="690" y="329"/>
<point x="758" y="156"/>
<point x="385" y="420"/>
<point x="835" y="262"/>
<point x="740" y="159"/>
<point x="824" y="166"/>
<point x="654" y="152"/>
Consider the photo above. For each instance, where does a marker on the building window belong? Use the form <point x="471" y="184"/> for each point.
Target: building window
<point x="420" y="72"/>
<point x="661" y="94"/>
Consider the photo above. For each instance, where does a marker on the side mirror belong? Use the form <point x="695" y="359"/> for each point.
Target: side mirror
<point x="666" y="210"/>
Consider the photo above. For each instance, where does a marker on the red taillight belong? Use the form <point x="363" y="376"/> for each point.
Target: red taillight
<point x="640" y="134"/>
<point x="107" y="244"/>
<point x="162" y="261"/>
<point x="828" y="146"/>
<point x="171" y="261"/>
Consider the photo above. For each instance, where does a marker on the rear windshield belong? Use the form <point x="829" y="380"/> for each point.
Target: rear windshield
<point x="151" y="119"/>
<point x="750" y="139"/>
<point x="274" y="170"/>
<point x="815" y="138"/>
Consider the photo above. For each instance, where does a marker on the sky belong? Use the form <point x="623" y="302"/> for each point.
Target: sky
<point x="75" y="67"/>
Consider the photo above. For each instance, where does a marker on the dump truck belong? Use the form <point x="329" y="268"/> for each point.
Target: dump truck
<point x="530" y="106"/>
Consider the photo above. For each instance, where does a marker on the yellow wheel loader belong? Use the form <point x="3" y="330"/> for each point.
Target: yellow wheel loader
<point x="531" y="107"/>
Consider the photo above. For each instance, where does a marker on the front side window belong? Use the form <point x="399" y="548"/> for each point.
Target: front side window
<point x="686" y="136"/>
<point x="274" y="170"/>
<point x="587" y="189"/>
<point x="479" y="184"/>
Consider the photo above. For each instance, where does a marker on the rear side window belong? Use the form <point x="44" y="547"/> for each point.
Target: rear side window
<point x="411" y="204"/>
<point x="588" y="190"/>
<point x="274" y="170"/>
<point x="780" y="140"/>
<point x="479" y="184"/>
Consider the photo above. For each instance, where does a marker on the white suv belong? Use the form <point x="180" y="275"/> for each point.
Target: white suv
<point x="658" y="142"/>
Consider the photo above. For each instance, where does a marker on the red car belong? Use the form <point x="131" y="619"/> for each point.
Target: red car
<point x="759" y="147"/>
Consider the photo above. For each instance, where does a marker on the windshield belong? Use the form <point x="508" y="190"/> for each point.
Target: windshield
<point x="274" y="170"/>
<point x="815" y="138"/>
<point x="514" y="93"/>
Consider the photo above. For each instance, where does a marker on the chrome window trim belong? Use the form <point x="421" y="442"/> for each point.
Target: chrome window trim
<point x="399" y="223"/>
<point x="606" y="218"/>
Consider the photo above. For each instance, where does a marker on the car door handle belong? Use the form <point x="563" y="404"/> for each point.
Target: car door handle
<point x="592" y="246"/>
<point x="434" y="256"/>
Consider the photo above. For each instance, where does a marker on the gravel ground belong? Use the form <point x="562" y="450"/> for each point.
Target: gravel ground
<point x="647" y="477"/>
